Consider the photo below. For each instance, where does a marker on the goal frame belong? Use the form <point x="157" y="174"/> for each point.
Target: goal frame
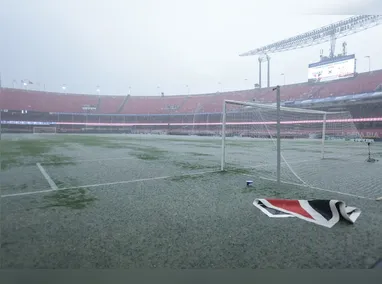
<point x="44" y="127"/>
<point x="277" y="109"/>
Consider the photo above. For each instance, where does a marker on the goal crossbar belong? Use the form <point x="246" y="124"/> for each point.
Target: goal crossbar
<point x="290" y="109"/>
<point x="44" y="130"/>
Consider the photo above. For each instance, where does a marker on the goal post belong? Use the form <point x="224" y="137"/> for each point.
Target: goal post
<point x="44" y="130"/>
<point x="251" y="135"/>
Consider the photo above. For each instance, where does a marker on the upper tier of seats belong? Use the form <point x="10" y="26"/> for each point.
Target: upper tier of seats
<point x="15" y="99"/>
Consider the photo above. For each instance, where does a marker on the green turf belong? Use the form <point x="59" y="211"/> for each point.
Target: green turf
<point x="194" y="166"/>
<point x="148" y="153"/>
<point x="198" y="154"/>
<point x="27" y="152"/>
<point x="77" y="198"/>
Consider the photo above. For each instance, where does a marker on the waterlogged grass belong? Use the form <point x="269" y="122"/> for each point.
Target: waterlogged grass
<point x="194" y="166"/>
<point x="89" y="141"/>
<point x="148" y="153"/>
<point x="269" y="189"/>
<point x="193" y="140"/>
<point x="198" y="154"/>
<point x="236" y="171"/>
<point x="28" y="152"/>
<point x="76" y="198"/>
<point x="68" y="196"/>
<point x="146" y="156"/>
<point x="186" y="178"/>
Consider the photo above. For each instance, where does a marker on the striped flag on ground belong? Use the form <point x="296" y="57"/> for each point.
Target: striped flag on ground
<point x="322" y="212"/>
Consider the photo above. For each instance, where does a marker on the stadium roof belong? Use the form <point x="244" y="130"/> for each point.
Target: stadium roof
<point x="324" y="34"/>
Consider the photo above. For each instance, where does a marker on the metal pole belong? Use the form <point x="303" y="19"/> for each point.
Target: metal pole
<point x="0" y="123"/>
<point x="223" y="137"/>
<point x="368" y="57"/>
<point x="323" y="138"/>
<point x="0" y="117"/>
<point x="269" y="70"/>
<point x="278" y="139"/>
<point x="260" y="60"/>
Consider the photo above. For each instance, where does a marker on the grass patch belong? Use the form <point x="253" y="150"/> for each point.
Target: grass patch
<point x="335" y="159"/>
<point x="58" y="159"/>
<point x="198" y="154"/>
<point x="73" y="198"/>
<point x="269" y="189"/>
<point x="69" y="198"/>
<point x="186" y="178"/>
<point x="8" y="163"/>
<point x="146" y="156"/>
<point x="236" y="171"/>
<point x="304" y="150"/>
<point x="206" y="146"/>
<point x="149" y="153"/>
<point x="27" y="152"/>
<point x="192" y="166"/>
<point x="190" y="140"/>
<point x="12" y="187"/>
<point x="90" y="141"/>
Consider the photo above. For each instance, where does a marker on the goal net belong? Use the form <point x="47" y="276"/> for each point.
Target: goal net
<point x="44" y="130"/>
<point x="317" y="148"/>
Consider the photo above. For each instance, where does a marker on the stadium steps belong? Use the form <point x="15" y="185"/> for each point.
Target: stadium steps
<point x="316" y="93"/>
<point x="123" y="104"/>
<point x="183" y="103"/>
<point x="98" y="103"/>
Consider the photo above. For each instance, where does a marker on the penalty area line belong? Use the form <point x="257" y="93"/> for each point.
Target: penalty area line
<point x="52" y="184"/>
<point x="103" y="184"/>
<point x="318" y="188"/>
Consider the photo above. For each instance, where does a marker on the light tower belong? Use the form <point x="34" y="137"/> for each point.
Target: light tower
<point x="327" y="33"/>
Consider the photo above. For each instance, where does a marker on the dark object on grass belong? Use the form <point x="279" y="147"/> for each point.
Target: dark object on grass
<point x="377" y="265"/>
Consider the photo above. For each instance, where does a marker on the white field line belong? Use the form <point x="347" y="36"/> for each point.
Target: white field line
<point x="89" y="160"/>
<point x="103" y="184"/>
<point x="314" y="187"/>
<point x="111" y="159"/>
<point x="53" y="186"/>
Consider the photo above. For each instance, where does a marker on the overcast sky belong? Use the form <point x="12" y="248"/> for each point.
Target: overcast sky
<point x="168" y="43"/>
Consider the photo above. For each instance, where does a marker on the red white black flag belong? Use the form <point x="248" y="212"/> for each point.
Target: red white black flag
<point x="322" y="212"/>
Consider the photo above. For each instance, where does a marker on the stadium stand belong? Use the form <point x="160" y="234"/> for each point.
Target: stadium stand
<point x="15" y="99"/>
<point x="153" y="105"/>
<point x="110" y="104"/>
<point x="78" y="108"/>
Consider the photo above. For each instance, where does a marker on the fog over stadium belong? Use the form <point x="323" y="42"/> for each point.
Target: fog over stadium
<point x="138" y="134"/>
<point x="165" y="46"/>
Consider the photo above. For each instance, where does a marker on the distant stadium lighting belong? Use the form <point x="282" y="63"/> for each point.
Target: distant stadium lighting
<point x="368" y="57"/>
<point x="188" y="89"/>
<point x="98" y="90"/>
<point x="329" y="33"/>
<point x="64" y="87"/>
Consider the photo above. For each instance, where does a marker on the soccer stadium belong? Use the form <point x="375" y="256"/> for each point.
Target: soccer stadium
<point x="101" y="181"/>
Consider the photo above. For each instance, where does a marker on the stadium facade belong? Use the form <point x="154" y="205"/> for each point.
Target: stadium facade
<point x="23" y="110"/>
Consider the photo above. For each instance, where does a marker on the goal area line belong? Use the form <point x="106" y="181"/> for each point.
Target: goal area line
<point x="107" y="183"/>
